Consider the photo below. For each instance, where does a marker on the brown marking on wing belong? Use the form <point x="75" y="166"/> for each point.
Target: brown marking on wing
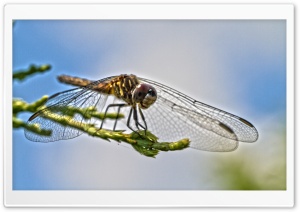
<point x="246" y="122"/>
<point x="225" y="127"/>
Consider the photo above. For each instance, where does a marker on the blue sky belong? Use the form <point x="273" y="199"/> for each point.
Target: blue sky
<point x="237" y="66"/>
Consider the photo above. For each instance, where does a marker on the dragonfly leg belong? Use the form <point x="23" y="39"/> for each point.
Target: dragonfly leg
<point x="119" y="108"/>
<point x="137" y="124"/>
<point x="112" y="105"/>
<point x="128" y="121"/>
<point x="135" y="117"/>
<point x="144" y="120"/>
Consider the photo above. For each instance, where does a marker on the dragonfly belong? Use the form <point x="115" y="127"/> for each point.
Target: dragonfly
<point x="166" y="112"/>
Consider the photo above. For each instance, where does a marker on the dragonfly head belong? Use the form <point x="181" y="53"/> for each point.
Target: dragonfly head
<point x="145" y="95"/>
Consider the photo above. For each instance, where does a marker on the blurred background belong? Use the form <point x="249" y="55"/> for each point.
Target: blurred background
<point x="237" y="66"/>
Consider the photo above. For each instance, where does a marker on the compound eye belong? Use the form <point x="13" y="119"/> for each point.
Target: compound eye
<point x="139" y="94"/>
<point x="152" y="92"/>
<point x="145" y="95"/>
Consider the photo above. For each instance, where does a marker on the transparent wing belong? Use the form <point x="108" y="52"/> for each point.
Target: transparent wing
<point x="63" y="105"/>
<point x="174" y="116"/>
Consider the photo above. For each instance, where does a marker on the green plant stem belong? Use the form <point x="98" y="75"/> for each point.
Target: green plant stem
<point x="145" y="144"/>
<point x="20" y="105"/>
<point x="23" y="74"/>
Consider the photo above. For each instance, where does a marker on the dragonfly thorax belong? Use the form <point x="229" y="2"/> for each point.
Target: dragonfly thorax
<point x="144" y="95"/>
<point x="132" y="91"/>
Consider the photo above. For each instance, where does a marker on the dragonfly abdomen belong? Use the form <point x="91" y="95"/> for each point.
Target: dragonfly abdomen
<point x="80" y="82"/>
